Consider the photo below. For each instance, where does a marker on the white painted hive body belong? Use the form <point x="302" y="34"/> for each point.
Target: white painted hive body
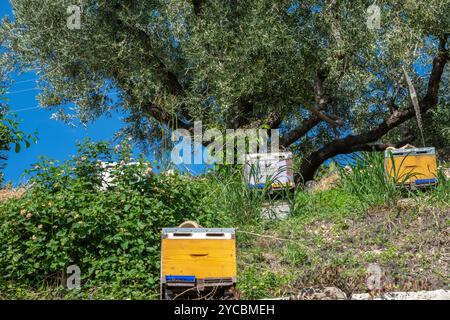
<point x="274" y="169"/>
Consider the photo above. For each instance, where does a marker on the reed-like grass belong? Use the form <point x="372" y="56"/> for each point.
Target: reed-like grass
<point x="237" y="198"/>
<point x="366" y="179"/>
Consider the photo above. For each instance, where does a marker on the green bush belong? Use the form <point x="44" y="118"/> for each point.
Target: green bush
<point x="67" y="217"/>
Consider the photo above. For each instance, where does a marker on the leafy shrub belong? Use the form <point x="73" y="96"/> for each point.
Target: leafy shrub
<point x="112" y="234"/>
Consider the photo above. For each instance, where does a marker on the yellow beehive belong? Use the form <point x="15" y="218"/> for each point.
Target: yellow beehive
<point x="414" y="166"/>
<point x="197" y="257"/>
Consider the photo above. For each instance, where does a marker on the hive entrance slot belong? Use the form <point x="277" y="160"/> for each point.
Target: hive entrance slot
<point x="215" y="234"/>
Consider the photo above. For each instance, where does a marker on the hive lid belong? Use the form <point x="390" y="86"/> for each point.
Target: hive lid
<point x="411" y="151"/>
<point x="269" y="155"/>
<point x="199" y="230"/>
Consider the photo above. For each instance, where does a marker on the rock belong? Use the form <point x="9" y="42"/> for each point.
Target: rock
<point x="348" y="169"/>
<point x="275" y="210"/>
<point x="327" y="293"/>
<point x="326" y="183"/>
<point x="309" y="185"/>
<point x="447" y="173"/>
<point x="329" y="182"/>
<point x="332" y="293"/>
<point x="419" y="295"/>
<point x="406" y="203"/>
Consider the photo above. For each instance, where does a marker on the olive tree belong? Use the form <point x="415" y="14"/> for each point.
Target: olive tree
<point x="330" y="75"/>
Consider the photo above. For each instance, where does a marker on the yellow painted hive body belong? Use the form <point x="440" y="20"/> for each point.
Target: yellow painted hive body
<point x="412" y="166"/>
<point x="201" y="254"/>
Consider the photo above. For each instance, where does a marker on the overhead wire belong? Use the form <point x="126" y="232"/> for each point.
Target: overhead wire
<point x="21" y="91"/>
<point x="24" y="81"/>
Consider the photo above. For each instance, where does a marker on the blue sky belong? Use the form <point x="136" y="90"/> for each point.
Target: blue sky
<point x="56" y="139"/>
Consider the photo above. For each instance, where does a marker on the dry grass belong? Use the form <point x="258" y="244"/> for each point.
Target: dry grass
<point x="410" y="243"/>
<point x="10" y="193"/>
<point x="326" y="183"/>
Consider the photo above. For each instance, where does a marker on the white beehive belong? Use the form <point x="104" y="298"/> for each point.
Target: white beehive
<point x="274" y="169"/>
<point x="107" y="176"/>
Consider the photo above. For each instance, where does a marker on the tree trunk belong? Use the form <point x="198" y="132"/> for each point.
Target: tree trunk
<point x="364" y="140"/>
<point x="309" y="167"/>
<point x="311" y="163"/>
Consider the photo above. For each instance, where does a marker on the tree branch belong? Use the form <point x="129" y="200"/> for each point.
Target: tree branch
<point x="197" y="4"/>
<point x="383" y="146"/>
<point x="321" y="101"/>
<point x="295" y="134"/>
<point x="317" y="115"/>
<point x="359" y="142"/>
<point x="169" y="78"/>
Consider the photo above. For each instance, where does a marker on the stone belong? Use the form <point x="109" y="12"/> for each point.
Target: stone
<point x="447" y="173"/>
<point x="327" y="293"/>
<point x="406" y="203"/>
<point x="309" y="185"/>
<point x="419" y="295"/>
<point x="279" y="211"/>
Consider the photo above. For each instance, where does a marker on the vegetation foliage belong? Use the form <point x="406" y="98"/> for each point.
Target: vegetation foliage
<point x="69" y="216"/>
<point x="113" y="235"/>
<point x="308" y="68"/>
<point x="11" y="136"/>
<point x="313" y="69"/>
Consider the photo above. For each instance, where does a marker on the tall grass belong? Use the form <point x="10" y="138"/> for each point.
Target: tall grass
<point x="441" y="192"/>
<point x="364" y="184"/>
<point x="235" y="197"/>
<point x="366" y="179"/>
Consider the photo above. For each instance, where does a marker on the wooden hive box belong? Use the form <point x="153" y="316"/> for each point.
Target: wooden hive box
<point x="277" y="168"/>
<point x="201" y="259"/>
<point x="414" y="166"/>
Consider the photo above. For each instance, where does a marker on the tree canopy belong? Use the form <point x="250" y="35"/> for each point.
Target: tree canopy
<point x="319" y="71"/>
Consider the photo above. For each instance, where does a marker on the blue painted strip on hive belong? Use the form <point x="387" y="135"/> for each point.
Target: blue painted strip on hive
<point x="257" y="186"/>
<point x="181" y="278"/>
<point x="425" y="181"/>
